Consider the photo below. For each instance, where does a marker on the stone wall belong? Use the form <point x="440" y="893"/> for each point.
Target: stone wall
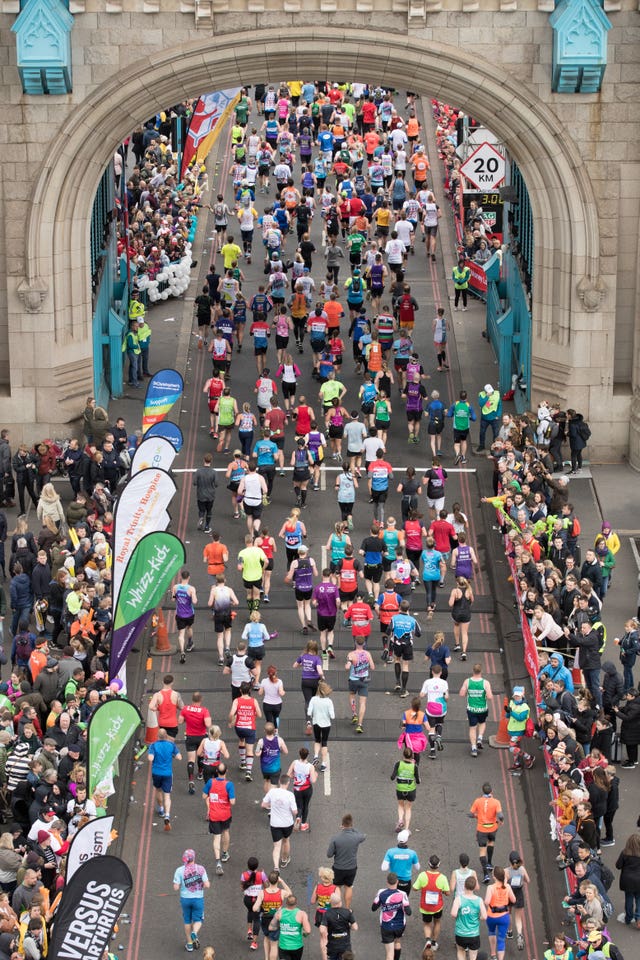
<point x="579" y="156"/>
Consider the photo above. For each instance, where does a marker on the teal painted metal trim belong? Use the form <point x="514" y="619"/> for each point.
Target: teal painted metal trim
<point x="509" y="327"/>
<point x="43" y="42"/>
<point x="579" y="56"/>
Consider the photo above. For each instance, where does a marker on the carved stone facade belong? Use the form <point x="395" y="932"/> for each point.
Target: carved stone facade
<point x="579" y="155"/>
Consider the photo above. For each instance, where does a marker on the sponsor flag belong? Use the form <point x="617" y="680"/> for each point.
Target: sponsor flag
<point x="151" y="568"/>
<point x="110" y="727"/>
<point x="170" y="431"/>
<point x="208" y="119"/>
<point x="163" y="390"/>
<point x="141" y="508"/>
<point x="91" y="840"/>
<point x="154" y="452"/>
<point x="89" y="908"/>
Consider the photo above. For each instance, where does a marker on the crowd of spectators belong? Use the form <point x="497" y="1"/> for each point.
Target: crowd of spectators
<point x="588" y="702"/>
<point x="57" y="646"/>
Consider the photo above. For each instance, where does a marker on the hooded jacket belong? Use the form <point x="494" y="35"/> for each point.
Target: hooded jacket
<point x="561" y="672"/>
<point x="612" y="685"/>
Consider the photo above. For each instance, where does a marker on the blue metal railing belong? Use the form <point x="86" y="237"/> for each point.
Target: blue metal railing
<point x="522" y="225"/>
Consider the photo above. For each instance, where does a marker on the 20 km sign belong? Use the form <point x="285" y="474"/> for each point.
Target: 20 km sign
<point x="485" y="168"/>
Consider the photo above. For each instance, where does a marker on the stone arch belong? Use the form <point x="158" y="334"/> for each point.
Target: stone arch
<point x="566" y="222"/>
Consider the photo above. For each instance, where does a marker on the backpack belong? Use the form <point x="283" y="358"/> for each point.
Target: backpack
<point x="23" y="647"/>
<point x="437" y="417"/>
<point x="606" y="874"/>
<point x="583" y="430"/>
<point x="576" y="529"/>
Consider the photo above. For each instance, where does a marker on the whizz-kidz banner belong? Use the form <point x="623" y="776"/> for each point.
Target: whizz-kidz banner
<point x="152" y="566"/>
<point x="111" y="726"/>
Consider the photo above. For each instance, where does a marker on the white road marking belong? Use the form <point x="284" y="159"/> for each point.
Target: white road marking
<point x="327" y="779"/>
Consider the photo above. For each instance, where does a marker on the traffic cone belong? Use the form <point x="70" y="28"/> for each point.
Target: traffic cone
<point x="151" y="729"/>
<point x="162" y="648"/>
<point x="501" y="740"/>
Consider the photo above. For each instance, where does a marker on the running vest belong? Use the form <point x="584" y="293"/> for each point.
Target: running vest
<point x="167" y="711"/>
<point x="293" y="537"/>
<point x="360" y="669"/>
<point x="226" y="411"/>
<point x="216" y="386"/>
<point x="290" y="930"/>
<point x="270" y="755"/>
<point x="430" y="896"/>
<point x="338" y="545"/>
<point x="461" y="415"/>
<point x="382" y="411"/>
<point x="303" y="575"/>
<point x="406" y="779"/>
<point x="271" y="902"/>
<point x="184" y="606"/>
<point x="413" y="533"/>
<point x="245" y="713"/>
<point x="376" y="275"/>
<point x="464" y="564"/>
<point x="348" y="575"/>
<point x="219" y="801"/>
<point x="414" y="397"/>
<point x="388" y="608"/>
<point x="406" y="313"/>
<point x="476" y="696"/>
<point x="301" y="775"/>
<point x="374" y="360"/>
<point x="211" y="751"/>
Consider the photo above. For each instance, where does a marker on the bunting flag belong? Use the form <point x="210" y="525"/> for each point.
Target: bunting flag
<point x="208" y="119"/>
<point x="111" y="725"/>
<point x="141" y="508"/>
<point x="152" y="566"/>
<point x="163" y="389"/>
<point x="89" y="908"/>
<point x="170" y="431"/>
<point x="155" y="452"/>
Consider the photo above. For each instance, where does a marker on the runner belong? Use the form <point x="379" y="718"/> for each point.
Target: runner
<point x="321" y="712"/>
<point x="269" y="749"/>
<point x="191" y="880"/>
<point x="252" y="881"/>
<point x="221" y="601"/>
<point x="433" y="573"/>
<point x="336" y="926"/>
<point x="161" y="756"/>
<point x="268" y="902"/>
<point x="517" y="877"/>
<point x="211" y="750"/>
<point x="272" y="690"/>
<point x="280" y="803"/>
<point x="487" y="811"/>
<point x="197" y="721"/>
<point x="406" y="774"/>
<point x="219" y="798"/>
<point x="359" y="664"/>
<point x="346" y="485"/>
<point x="478" y="693"/>
<point x="468" y="910"/>
<point x="303" y="775"/>
<point x="402" y="861"/>
<point x="326" y="598"/>
<point x="269" y="547"/>
<point x="185" y="598"/>
<point x="321" y="896"/>
<point x="301" y="573"/>
<point x="434" y="886"/>
<point x="166" y="704"/>
<point x="293" y="926"/>
<point x="251" y="563"/>
<point x="436" y="691"/>
<point x="312" y="674"/>
<point x="498" y="899"/>
<point x="394" y="908"/>
<point x="244" y="712"/>
<point x="402" y="631"/>
<point x="343" y="850"/>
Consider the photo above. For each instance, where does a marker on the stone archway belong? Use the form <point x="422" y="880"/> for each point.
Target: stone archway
<point x="566" y="278"/>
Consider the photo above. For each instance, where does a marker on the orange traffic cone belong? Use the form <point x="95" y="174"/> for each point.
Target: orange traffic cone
<point x="151" y="729"/>
<point x="163" y="647"/>
<point x="501" y="739"/>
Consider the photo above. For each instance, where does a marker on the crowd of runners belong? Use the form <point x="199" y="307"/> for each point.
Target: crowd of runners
<point x="354" y="159"/>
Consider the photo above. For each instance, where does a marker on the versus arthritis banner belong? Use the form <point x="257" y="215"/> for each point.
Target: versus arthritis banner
<point x="89" y="909"/>
<point x="141" y="508"/>
<point x="170" y="431"/>
<point x="111" y="726"/>
<point x="209" y="117"/>
<point x="163" y="389"/>
<point x="155" y="452"/>
<point x="91" y="840"/>
<point x="152" y="566"/>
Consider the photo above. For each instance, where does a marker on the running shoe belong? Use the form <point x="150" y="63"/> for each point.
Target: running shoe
<point x="248" y="777"/>
<point x="397" y="687"/>
<point x="486" y="878"/>
<point x="188" y="947"/>
<point x="529" y="762"/>
<point x="359" y="729"/>
<point x="219" y="870"/>
<point x="225" y="856"/>
<point x="208" y="529"/>
<point x="315" y="762"/>
<point x="250" y="933"/>
<point x="474" y="752"/>
<point x="253" y="945"/>
<point x="509" y="934"/>
<point x="439" y="743"/>
<point x="183" y="658"/>
<point x="167" y="824"/>
<point x="399" y="826"/>
<point x="479" y="743"/>
<point x="265" y="599"/>
<point x="192" y="787"/>
<point x="220" y="661"/>
<point x="285" y="862"/>
<point x="190" y="646"/>
<point x="432" y="753"/>
<point x="520" y="942"/>
<point x="296" y="823"/>
<point x="200" y="523"/>
<point x="354" y="718"/>
<point x="457" y="648"/>
<point x="304" y="827"/>
<point x="160" y="811"/>
<point x="405" y="693"/>
<point x="332" y="655"/>
<point x="195" y="941"/>
<point x="463" y="657"/>
<point x="322" y="767"/>
<point x="608" y="843"/>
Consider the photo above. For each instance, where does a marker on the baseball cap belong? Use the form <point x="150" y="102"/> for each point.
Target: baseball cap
<point x="403" y="836"/>
<point x="594" y="936"/>
<point x="51" y="663"/>
<point x="43" y="835"/>
<point x="488" y="388"/>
